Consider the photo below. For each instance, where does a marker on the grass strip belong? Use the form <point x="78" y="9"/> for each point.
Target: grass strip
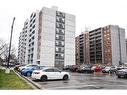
<point x="12" y="81"/>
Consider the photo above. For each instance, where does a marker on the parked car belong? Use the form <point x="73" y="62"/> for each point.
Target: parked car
<point x="85" y="69"/>
<point x="120" y="67"/>
<point x="67" y="67"/>
<point x="74" y="68"/>
<point x="27" y="66"/>
<point x="28" y="71"/>
<point x="49" y="73"/>
<point x="17" y="67"/>
<point x="109" y="69"/>
<point x="97" y="68"/>
<point x="122" y="73"/>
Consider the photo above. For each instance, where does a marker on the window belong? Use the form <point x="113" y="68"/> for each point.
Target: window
<point x="30" y="20"/>
<point x="33" y="32"/>
<point x="57" y="13"/>
<point x="62" y="31"/>
<point x="33" y="26"/>
<point x="30" y="40"/>
<point x="49" y="70"/>
<point x="57" y="36"/>
<point x="63" y="15"/>
<point x="61" y="37"/>
<point x="32" y="43"/>
<point x="34" y="15"/>
<point x="29" y="45"/>
<point x="57" y="49"/>
<point x="31" y="56"/>
<point x="59" y="62"/>
<point x="32" y="37"/>
<point x="32" y="49"/>
<point x="30" y="30"/>
<point x="57" y="19"/>
<point x="62" y="55"/>
<point x="62" y="43"/>
<point x="31" y="15"/>
<point x="59" y="56"/>
<point x="34" y="21"/>
<point x="29" y="52"/>
<point x="57" y="25"/>
<point x="108" y="38"/>
<point x="57" y="30"/>
<point x="56" y="70"/>
<point x="30" y="25"/>
<point x="61" y="26"/>
<point x="62" y="20"/>
<point x="57" y="43"/>
<point x="62" y="49"/>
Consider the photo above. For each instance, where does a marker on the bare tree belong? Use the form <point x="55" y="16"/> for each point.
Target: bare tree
<point x="4" y="51"/>
<point x="12" y="53"/>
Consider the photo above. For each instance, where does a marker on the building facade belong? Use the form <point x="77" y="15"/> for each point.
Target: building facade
<point x="104" y="45"/>
<point x="23" y="43"/>
<point x="126" y="46"/>
<point x="82" y="48"/>
<point x="51" y="38"/>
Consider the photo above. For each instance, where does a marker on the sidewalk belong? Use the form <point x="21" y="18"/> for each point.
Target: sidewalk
<point x="1" y="67"/>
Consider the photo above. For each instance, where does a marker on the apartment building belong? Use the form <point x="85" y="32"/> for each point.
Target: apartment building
<point x="95" y="46"/>
<point x="104" y="45"/>
<point x="23" y="42"/>
<point x="126" y="46"/>
<point x="82" y="48"/>
<point x="51" y="35"/>
<point x="77" y="51"/>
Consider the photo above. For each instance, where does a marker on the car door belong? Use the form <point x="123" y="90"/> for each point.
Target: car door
<point x="57" y="74"/>
<point x="49" y="73"/>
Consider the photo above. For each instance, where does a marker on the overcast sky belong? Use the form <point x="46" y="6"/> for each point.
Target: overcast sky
<point x="89" y="13"/>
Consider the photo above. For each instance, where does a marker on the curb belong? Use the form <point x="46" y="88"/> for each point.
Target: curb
<point x="37" y="86"/>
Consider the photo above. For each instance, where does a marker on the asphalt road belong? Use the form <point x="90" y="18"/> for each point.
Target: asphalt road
<point x="81" y="81"/>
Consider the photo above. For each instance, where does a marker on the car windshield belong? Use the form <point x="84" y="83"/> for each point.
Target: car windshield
<point x="40" y="67"/>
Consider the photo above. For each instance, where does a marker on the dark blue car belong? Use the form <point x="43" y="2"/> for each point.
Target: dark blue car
<point x="28" y="71"/>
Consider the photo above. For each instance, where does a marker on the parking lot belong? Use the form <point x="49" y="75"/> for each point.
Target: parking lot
<point x="82" y="81"/>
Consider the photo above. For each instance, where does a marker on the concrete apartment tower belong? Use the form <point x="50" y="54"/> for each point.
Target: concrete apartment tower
<point x="104" y="45"/>
<point x="23" y="43"/>
<point x="50" y="38"/>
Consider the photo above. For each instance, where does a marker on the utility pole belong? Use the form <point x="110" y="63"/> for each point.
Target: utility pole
<point x="8" y="70"/>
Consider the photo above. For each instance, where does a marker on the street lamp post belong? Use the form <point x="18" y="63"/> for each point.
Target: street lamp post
<point x="8" y="70"/>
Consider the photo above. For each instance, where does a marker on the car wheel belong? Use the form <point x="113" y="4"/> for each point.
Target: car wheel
<point x="65" y="77"/>
<point x="28" y="74"/>
<point x="43" y="78"/>
<point x="125" y="76"/>
<point x="119" y="76"/>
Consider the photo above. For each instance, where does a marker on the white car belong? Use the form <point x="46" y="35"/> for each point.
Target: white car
<point x="49" y="73"/>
